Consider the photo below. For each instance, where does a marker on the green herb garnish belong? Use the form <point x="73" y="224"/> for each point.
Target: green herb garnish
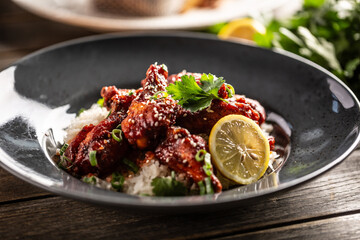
<point x="89" y="180"/>
<point x="117" y="181"/>
<point x="200" y="155"/>
<point x="202" y="188"/>
<point x="156" y="95"/>
<point x="92" y="158"/>
<point x="196" y="97"/>
<point x="207" y="166"/>
<point x="100" y="102"/>
<point x="208" y="186"/>
<point x="164" y="186"/>
<point x="63" y="149"/>
<point x="80" y="111"/>
<point x="131" y="165"/>
<point x="116" y="135"/>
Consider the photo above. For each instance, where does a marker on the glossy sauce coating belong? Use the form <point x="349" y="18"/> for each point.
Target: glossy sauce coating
<point x="178" y="152"/>
<point x="154" y="126"/>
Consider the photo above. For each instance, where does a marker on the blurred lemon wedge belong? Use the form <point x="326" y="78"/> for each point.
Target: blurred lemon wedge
<point x="244" y="28"/>
<point x="239" y="149"/>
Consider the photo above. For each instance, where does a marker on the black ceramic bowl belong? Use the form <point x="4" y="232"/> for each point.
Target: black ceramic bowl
<point x="310" y="107"/>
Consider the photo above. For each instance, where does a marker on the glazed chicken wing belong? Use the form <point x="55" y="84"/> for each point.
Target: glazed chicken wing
<point x="108" y="150"/>
<point x="178" y="152"/>
<point x="148" y="116"/>
<point x="203" y="121"/>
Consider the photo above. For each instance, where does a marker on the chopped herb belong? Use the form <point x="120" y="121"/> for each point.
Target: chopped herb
<point x="200" y="155"/>
<point x="165" y="186"/>
<point x="131" y="165"/>
<point x="92" y="158"/>
<point x="116" y="135"/>
<point x="89" y="180"/>
<point x="156" y="95"/>
<point x="230" y="90"/>
<point x="81" y="111"/>
<point x="108" y="114"/>
<point x="62" y="163"/>
<point x="118" y="126"/>
<point x="117" y="181"/>
<point x="208" y="186"/>
<point x="100" y="102"/>
<point x="196" y="97"/>
<point x="63" y="149"/>
<point x="207" y="166"/>
<point x="202" y="188"/>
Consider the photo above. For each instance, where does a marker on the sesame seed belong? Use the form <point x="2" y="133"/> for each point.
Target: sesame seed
<point x="156" y="124"/>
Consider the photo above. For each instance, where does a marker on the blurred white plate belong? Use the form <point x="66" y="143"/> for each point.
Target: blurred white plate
<point x="82" y="13"/>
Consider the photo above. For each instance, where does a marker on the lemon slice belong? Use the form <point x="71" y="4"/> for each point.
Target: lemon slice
<point x="239" y="149"/>
<point x="244" y="28"/>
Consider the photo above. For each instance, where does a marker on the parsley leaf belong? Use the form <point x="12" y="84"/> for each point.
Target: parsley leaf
<point x="196" y="97"/>
<point x="326" y="32"/>
<point x="163" y="186"/>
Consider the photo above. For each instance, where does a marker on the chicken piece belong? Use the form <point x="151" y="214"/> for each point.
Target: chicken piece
<point x="203" y="121"/>
<point x="118" y="99"/>
<point x="109" y="152"/>
<point x="178" y="152"/>
<point x="148" y="116"/>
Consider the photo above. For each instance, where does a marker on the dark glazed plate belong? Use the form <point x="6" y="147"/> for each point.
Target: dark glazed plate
<point x="42" y="91"/>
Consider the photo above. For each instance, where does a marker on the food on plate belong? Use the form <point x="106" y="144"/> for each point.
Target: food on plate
<point x="154" y="140"/>
<point x="152" y="7"/>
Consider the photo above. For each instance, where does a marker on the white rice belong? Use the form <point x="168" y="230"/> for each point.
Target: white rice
<point x="93" y="115"/>
<point x="140" y="184"/>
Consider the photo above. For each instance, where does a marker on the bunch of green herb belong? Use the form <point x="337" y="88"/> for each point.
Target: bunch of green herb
<point x="163" y="186"/>
<point x="326" y="32"/>
<point x="196" y="97"/>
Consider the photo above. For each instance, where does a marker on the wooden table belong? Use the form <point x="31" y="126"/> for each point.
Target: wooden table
<point x="326" y="207"/>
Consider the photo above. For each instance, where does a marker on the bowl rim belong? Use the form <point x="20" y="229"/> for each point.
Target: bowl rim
<point x="172" y="202"/>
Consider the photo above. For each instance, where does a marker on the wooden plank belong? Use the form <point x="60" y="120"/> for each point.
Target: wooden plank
<point x="335" y="193"/>
<point x="344" y="227"/>
<point x="14" y="189"/>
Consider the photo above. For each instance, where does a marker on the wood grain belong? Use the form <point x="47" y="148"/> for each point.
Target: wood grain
<point x="326" y="229"/>
<point x="327" y="207"/>
<point x="14" y="189"/>
<point x="332" y="195"/>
